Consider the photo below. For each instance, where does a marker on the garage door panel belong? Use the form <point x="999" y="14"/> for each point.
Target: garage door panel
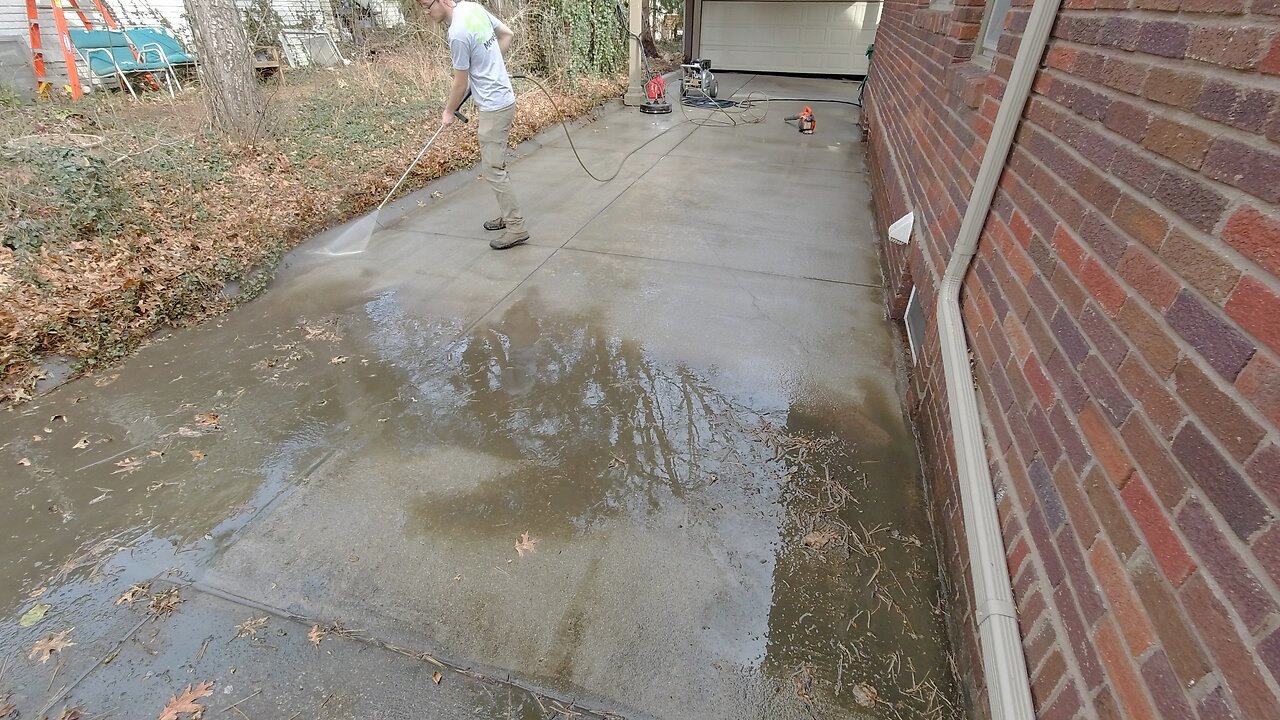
<point x="801" y="37"/>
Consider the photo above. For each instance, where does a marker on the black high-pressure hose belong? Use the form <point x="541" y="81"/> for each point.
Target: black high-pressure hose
<point x="565" y="125"/>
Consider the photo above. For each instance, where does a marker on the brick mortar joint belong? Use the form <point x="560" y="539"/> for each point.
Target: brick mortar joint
<point x="1034" y="558"/>
<point x="1243" y="549"/>
<point x="1195" y="19"/>
<point x="1245" y="265"/>
<point x="1231" y="391"/>
<point x="1251" y="79"/>
<point x="1237" y="260"/>
<point x="1172" y="218"/>
<point x="1235" y="195"/>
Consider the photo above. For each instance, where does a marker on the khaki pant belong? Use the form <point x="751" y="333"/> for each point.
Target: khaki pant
<point x="494" y="132"/>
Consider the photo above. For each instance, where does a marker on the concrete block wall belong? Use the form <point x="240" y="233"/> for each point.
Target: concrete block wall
<point x="1124" y="316"/>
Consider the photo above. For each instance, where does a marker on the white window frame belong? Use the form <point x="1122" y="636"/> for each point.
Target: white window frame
<point x="981" y="54"/>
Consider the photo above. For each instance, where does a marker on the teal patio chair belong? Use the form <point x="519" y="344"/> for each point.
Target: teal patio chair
<point x="107" y="54"/>
<point x="154" y="40"/>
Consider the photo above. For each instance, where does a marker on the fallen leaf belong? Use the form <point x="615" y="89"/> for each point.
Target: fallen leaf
<point x="134" y="593"/>
<point x="186" y="702"/>
<point x="339" y="360"/>
<point x="208" y="421"/>
<point x="436" y="677"/>
<point x="197" y="455"/>
<point x="865" y="695"/>
<point x="819" y="539"/>
<point x="37" y="438"/>
<point x="437" y="194"/>
<point x="34" y="615"/>
<point x="163" y="604"/>
<point x="128" y="466"/>
<point x="250" y="627"/>
<point x="44" y="649"/>
<point x="526" y="544"/>
<point x="155" y="453"/>
<point x="7" y="710"/>
<point x="74" y="713"/>
<point x="25" y="462"/>
<point x="317" y="634"/>
<point x="84" y="443"/>
<point x="58" y="418"/>
<point x="105" y="381"/>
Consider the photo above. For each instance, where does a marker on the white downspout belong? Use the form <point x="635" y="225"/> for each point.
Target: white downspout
<point x="1004" y="665"/>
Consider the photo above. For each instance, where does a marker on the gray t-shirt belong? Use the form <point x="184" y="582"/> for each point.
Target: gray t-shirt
<point x="474" y="47"/>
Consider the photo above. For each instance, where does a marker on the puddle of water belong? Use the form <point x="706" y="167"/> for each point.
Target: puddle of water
<point x="554" y="424"/>
<point x="146" y="472"/>
<point x="808" y="509"/>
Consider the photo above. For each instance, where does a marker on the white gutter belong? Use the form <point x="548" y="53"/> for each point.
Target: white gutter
<point x="1003" y="662"/>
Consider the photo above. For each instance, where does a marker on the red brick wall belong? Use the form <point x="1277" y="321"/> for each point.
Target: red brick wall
<point x="1124" y="316"/>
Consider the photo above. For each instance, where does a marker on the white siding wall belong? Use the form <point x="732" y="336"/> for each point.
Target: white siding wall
<point x="13" y="18"/>
<point x="386" y="12"/>
<point x="14" y="23"/>
<point x="171" y="14"/>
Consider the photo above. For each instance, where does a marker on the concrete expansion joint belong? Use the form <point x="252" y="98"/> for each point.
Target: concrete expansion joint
<point x="463" y="667"/>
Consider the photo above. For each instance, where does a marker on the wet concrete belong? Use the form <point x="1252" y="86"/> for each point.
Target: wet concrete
<point x="683" y="391"/>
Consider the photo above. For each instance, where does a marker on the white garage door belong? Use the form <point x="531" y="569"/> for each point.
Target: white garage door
<point x="824" y="38"/>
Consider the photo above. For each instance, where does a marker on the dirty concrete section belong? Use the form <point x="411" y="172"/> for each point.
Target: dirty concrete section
<point x="651" y="465"/>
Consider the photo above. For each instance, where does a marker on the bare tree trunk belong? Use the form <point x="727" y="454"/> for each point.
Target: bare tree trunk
<point x="226" y="69"/>
<point x="646" y="29"/>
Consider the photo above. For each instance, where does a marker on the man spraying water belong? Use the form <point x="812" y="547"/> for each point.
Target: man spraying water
<point x="477" y="43"/>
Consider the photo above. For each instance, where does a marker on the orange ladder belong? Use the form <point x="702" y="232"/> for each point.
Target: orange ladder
<point x="64" y="39"/>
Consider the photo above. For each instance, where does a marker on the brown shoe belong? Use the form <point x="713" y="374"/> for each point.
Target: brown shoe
<point x="495" y="224"/>
<point x="509" y="239"/>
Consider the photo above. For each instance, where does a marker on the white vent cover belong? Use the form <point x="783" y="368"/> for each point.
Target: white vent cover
<point x="915" y="326"/>
<point x="900" y="230"/>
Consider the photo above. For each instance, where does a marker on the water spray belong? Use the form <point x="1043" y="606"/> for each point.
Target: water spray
<point x="355" y="237"/>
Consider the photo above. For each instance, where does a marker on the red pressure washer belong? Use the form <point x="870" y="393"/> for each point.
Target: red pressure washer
<point x="656" y="93"/>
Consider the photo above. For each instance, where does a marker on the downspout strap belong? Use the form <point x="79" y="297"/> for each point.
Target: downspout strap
<point x="995" y="608"/>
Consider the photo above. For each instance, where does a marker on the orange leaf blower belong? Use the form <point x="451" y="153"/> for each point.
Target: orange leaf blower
<point x="805" y="120"/>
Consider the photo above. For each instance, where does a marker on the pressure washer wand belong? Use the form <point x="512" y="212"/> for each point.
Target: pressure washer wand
<point x="456" y="113"/>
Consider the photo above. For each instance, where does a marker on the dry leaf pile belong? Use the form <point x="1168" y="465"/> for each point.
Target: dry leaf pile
<point x="164" y="604"/>
<point x="134" y="594"/>
<point x="250" y="627"/>
<point x="178" y="213"/>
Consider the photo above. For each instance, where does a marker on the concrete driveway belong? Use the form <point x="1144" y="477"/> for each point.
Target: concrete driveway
<point x="651" y="465"/>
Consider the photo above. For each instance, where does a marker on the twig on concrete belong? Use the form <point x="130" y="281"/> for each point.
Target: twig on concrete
<point x="230" y="707"/>
<point x="56" y="669"/>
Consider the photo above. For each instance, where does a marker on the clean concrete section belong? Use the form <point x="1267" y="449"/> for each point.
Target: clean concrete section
<point x="651" y="465"/>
